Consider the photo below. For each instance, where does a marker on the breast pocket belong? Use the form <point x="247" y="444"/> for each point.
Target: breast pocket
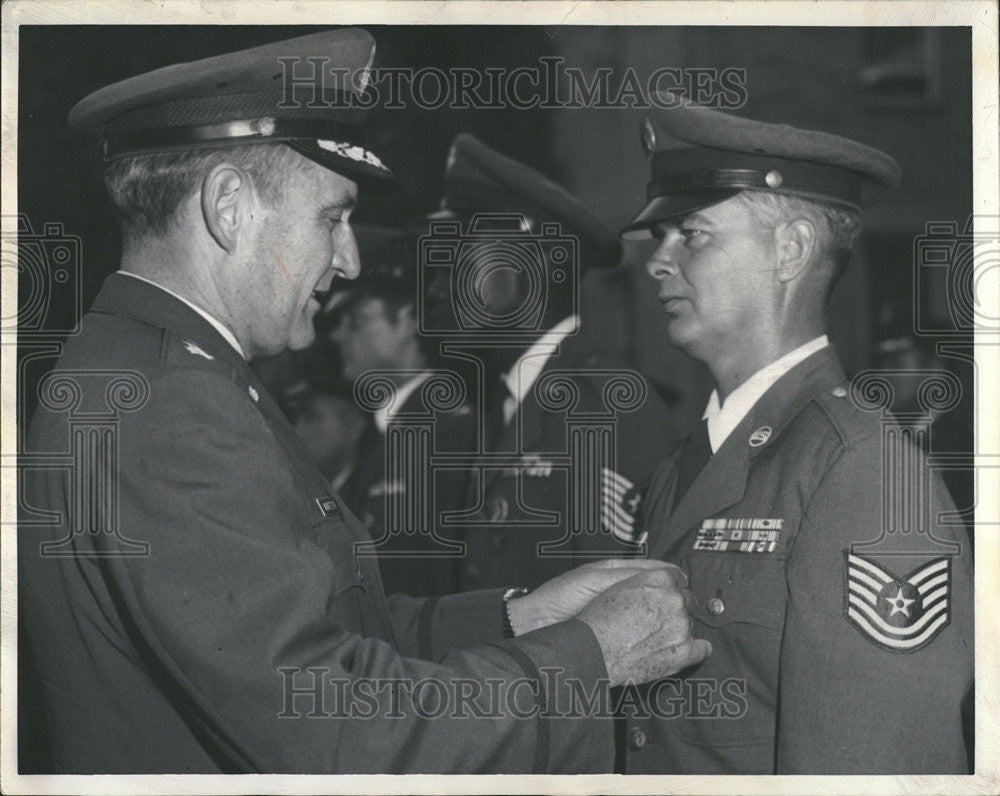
<point x="737" y="588"/>
<point x="739" y="606"/>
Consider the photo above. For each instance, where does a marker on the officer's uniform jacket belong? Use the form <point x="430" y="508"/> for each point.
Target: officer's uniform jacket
<point x="205" y="625"/>
<point x="812" y="669"/>
<point x="368" y="489"/>
<point x="524" y="506"/>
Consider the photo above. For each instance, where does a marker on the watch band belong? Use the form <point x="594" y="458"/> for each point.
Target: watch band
<point x="508" y="629"/>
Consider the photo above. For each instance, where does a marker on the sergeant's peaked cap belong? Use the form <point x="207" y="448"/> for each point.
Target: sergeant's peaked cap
<point x="479" y="179"/>
<point x="302" y="92"/>
<point x="700" y="157"/>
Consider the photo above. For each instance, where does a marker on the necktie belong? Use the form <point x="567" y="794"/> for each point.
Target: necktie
<point x="695" y="455"/>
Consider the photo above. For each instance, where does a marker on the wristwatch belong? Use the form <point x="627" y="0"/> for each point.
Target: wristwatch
<point x="508" y="629"/>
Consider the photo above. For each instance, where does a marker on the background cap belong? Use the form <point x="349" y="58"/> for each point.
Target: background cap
<point x="699" y="157"/>
<point x="300" y="91"/>
<point x="479" y="179"/>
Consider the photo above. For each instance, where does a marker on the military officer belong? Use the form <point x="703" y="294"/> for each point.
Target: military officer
<point x="519" y="512"/>
<point x="842" y="635"/>
<point x="373" y="322"/>
<point x="189" y="584"/>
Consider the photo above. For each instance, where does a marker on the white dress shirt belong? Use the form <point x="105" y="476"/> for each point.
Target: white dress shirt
<point x="723" y="419"/>
<point x="385" y="414"/>
<point x="530" y="364"/>
<point x="217" y="324"/>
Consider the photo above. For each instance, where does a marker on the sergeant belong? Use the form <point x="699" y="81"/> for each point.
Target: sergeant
<point x="842" y="636"/>
<point x="373" y="323"/>
<point x="524" y="294"/>
<point x="196" y="603"/>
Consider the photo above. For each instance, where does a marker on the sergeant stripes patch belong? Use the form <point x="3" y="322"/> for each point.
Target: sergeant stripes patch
<point x="619" y="504"/>
<point x="900" y="615"/>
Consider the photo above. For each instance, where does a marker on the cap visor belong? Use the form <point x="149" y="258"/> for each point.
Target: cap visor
<point x="671" y="206"/>
<point x="369" y="177"/>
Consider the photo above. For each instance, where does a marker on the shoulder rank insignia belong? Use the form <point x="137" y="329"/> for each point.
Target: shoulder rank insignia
<point x="196" y="350"/>
<point x="620" y="501"/>
<point x="899" y="614"/>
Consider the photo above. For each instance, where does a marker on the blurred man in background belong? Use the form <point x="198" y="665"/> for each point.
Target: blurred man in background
<point x="329" y="424"/>
<point x="373" y="323"/>
<point x="511" y="299"/>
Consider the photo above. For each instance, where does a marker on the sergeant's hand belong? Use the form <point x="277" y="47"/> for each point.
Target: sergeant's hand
<point x="643" y="627"/>
<point x="562" y="597"/>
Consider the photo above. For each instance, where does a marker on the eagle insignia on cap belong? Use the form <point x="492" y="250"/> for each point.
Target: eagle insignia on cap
<point x="898" y="614"/>
<point x="196" y="350"/>
<point x="352" y="151"/>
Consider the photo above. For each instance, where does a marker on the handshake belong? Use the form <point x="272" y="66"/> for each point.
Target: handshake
<point x="637" y="609"/>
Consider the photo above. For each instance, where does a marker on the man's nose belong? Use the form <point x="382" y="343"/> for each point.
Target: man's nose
<point x="663" y="263"/>
<point x="346" y="260"/>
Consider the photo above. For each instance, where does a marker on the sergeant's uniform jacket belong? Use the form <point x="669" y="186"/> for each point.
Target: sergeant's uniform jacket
<point x="827" y="657"/>
<point x="197" y="629"/>
<point x="368" y="488"/>
<point x="503" y="551"/>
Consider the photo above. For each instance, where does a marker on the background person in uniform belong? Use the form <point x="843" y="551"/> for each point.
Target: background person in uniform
<point x="373" y="322"/>
<point x="517" y="503"/>
<point x="835" y="651"/>
<point x="165" y="630"/>
<point x="328" y="423"/>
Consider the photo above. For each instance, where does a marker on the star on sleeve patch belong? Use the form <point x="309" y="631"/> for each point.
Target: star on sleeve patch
<point x="620" y="501"/>
<point x="898" y="614"/>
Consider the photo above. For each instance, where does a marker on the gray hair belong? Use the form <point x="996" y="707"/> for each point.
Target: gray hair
<point x="147" y="189"/>
<point x="836" y="226"/>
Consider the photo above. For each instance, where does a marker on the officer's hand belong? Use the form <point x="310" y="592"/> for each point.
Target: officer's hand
<point x="562" y="597"/>
<point x="643" y="627"/>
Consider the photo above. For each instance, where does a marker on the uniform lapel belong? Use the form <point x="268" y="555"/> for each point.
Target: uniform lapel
<point x="718" y="486"/>
<point x="723" y="481"/>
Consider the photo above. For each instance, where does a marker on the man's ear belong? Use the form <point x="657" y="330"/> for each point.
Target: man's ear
<point x="795" y="245"/>
<point x="226" y="193"/>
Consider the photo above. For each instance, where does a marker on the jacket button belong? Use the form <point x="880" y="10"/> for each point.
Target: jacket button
<point x="361" y="573"/>
<point x="839" y="392"/>
<point x="716" y="606"/>
<point x="636" y="739"/>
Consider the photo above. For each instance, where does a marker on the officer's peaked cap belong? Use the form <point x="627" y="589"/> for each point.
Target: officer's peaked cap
<point x="479" y="179"/>
<point x="302" y="92"/>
